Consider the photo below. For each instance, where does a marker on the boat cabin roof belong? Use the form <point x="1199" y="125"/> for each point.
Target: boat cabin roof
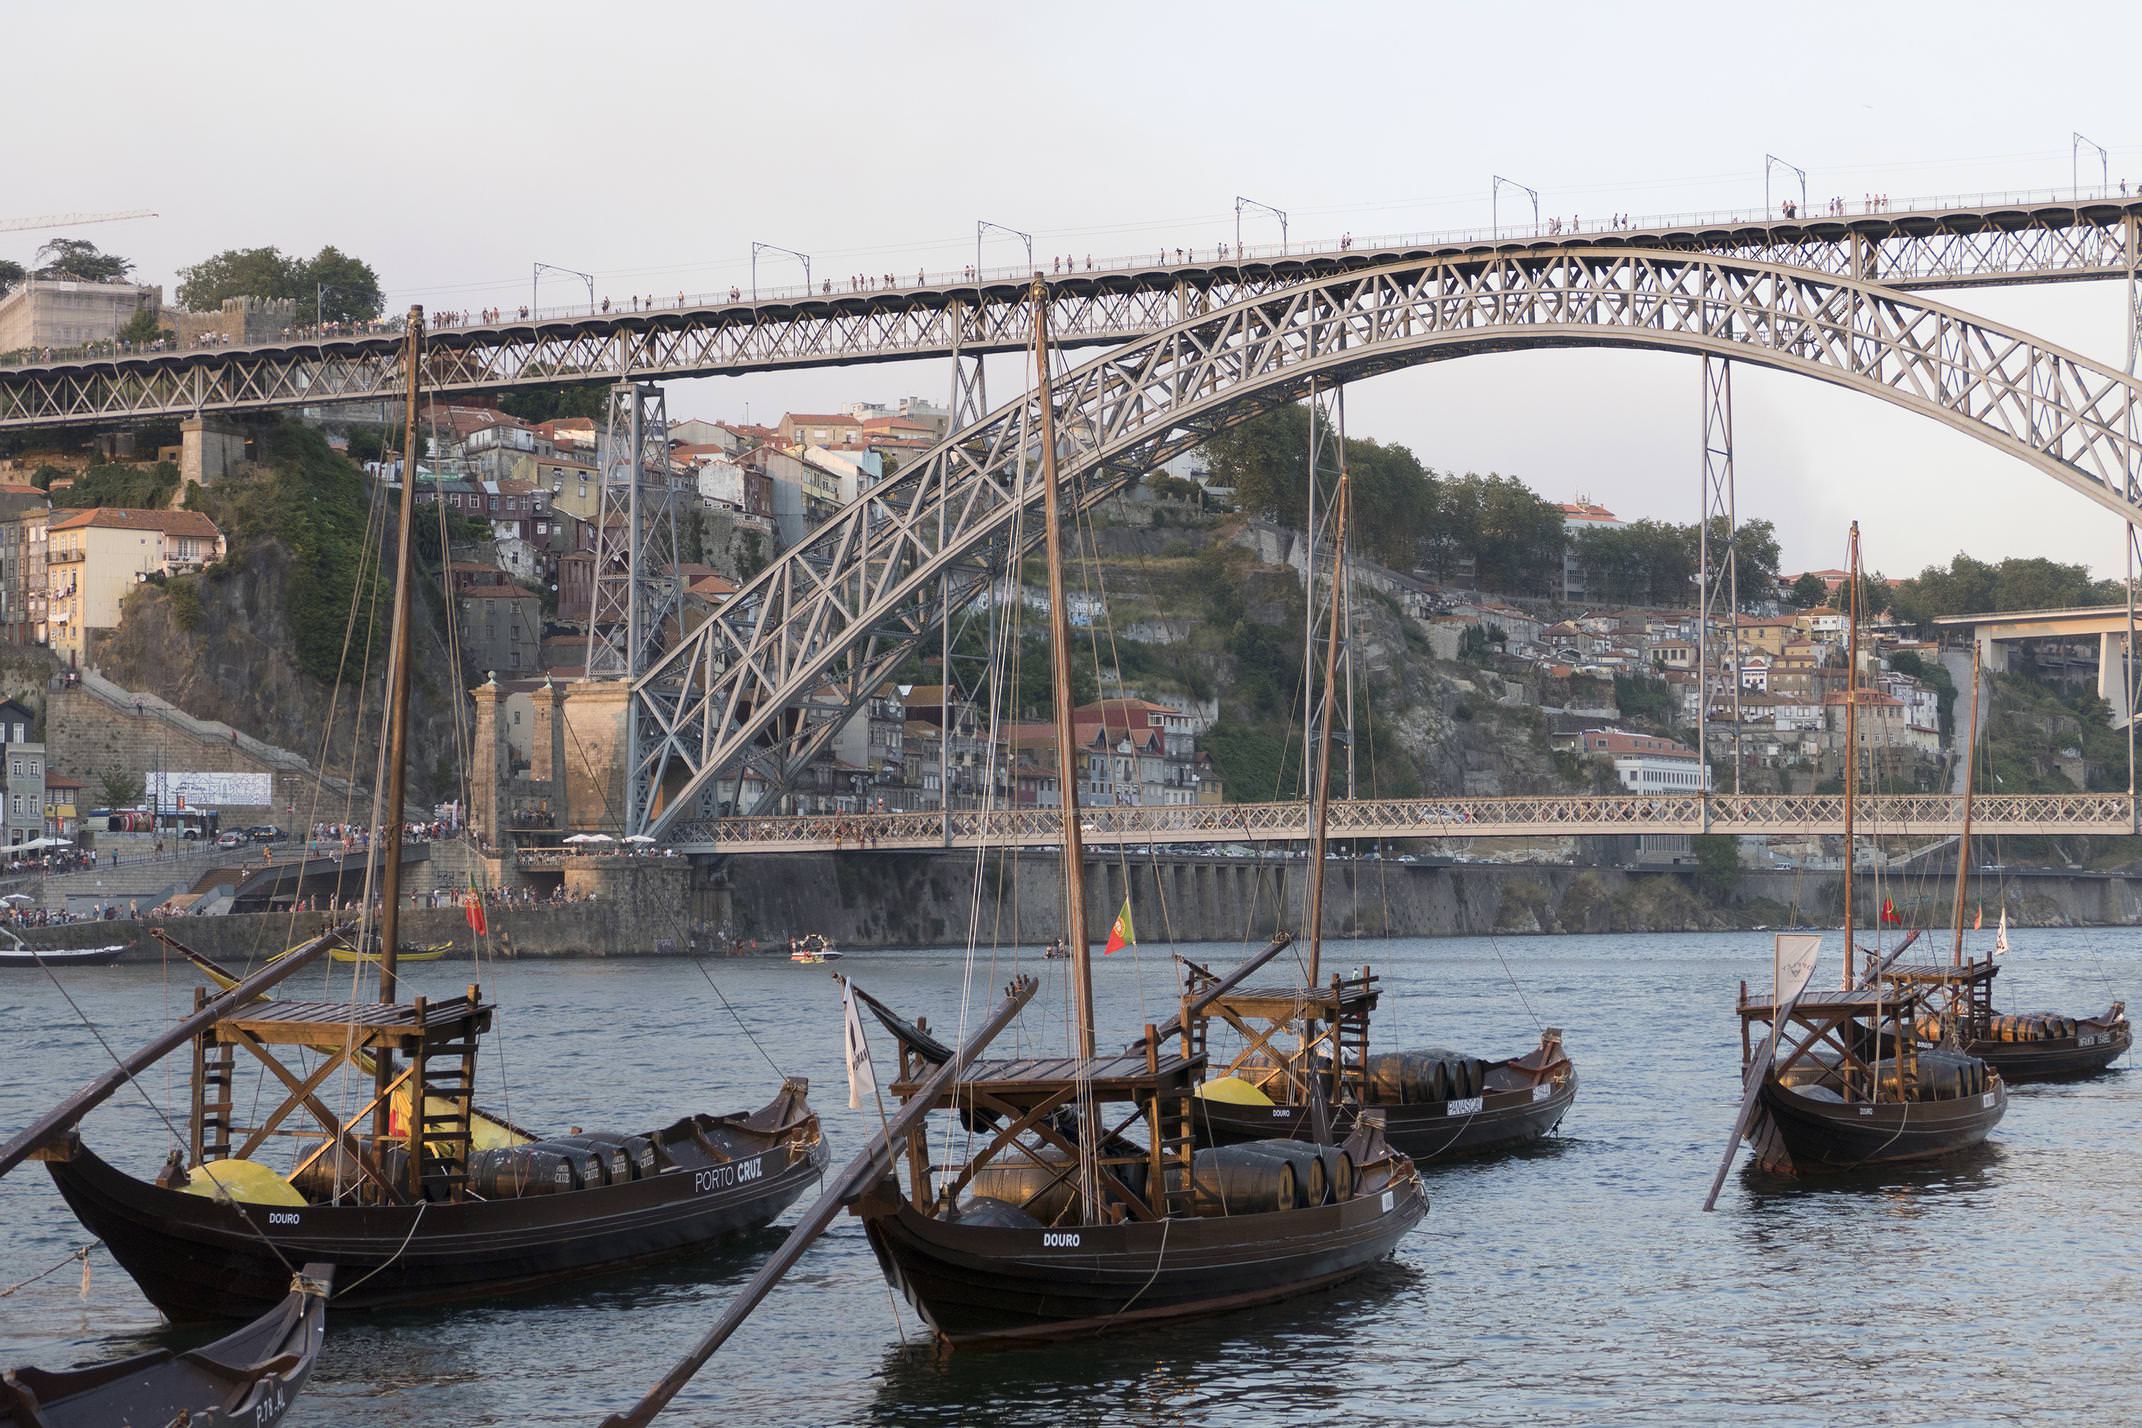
<point x="1940" y="973"/>
<point x="1291" y="1003"/>
<point x="1857" y="1001"/>
<point x="1120" y="1077"/>
<point x="362" y="1024"/>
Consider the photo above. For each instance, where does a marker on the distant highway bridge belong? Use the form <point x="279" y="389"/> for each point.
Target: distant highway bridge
<point x="1523" y="816"/>
<point x="1969" y="245"/>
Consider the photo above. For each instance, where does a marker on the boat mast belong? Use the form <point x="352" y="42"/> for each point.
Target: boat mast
<point x="1320" y="814"/>
<point x="1963" y="841"/>
<point x="1060" y="685"/>
<point x="388" y="838"/>
<point x="1851" y="738"/>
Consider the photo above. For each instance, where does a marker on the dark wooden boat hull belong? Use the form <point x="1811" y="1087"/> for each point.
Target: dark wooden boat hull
<point x="1798" y="1134"/>
<point x="982" y="1284"/>
<point x="2060" y="1058"/>
<point x="11" y="957"/>
<point x="197" y="1259"/>
<point x="1427" y="1133"/>
<point x="247" y="1379"/>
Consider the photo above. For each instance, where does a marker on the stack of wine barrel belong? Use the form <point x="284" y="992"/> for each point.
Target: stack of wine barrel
<point x="1250" y="1178"/>
<point x="566" y="1162"/>
<point x="2030" y="1026"/>
<point x="1412" y="1078"/>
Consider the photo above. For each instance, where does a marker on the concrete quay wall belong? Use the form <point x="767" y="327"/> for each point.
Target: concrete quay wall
<point x="902" y="899"/>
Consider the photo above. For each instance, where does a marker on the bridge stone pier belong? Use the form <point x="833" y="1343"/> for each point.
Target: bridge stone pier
<point x="210" y="448"/>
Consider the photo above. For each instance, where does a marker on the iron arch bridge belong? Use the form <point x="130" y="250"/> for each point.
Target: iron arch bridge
<point x="755" y="692"/>
<point x="951" y="315"/>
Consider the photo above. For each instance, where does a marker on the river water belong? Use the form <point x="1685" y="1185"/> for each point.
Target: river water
<point x="1576" y="1284"/>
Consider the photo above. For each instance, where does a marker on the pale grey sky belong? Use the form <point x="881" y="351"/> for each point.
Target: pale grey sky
<point x="453" y="144"/>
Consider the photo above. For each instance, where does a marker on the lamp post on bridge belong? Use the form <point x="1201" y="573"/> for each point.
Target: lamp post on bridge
<point x="1772" y="161"/>
<point x="1495" y="202"/>
<point x="572" y="272"/>
<point x="1278" y="213"/>
<point x="758" y="247"/>
<point x="2104" y="164"/>
<point x="983" y="225"/>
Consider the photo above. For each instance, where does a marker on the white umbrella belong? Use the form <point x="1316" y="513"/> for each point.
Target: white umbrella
<point x="639" y="838"/>
<point x="582" y="838"/>
<point x="63" y="842"/>
<point x="598" y="838"/>
<point x="18" y="897"/>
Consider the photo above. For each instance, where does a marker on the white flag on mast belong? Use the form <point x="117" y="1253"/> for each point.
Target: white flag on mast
<point x="862" y="1076"/>
<point x="2000" y="934"/>
<point x="1794" y="955"/>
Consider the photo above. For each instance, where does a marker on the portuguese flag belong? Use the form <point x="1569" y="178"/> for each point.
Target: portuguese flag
<point x="1122" y="934"/>
<point x="473" y="906"/>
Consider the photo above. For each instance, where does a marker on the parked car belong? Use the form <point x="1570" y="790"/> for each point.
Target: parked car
<point x="232" y="839"/>
<point x="264" y="833"/>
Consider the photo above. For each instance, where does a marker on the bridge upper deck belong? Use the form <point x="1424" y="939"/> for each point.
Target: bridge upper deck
<point x="2029" y="240"/>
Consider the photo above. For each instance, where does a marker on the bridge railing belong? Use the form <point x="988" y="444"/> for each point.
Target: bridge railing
<point x="1166" y="255"/>
<point x="1545" y="815"/>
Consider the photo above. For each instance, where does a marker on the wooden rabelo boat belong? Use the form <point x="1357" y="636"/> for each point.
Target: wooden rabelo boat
<point x="31" y="959"/>
<point x="1837" y="1080"/>
<point x="246" y="1379"/>
<point x="1298" y="1051"/>
<point x="1086" y="1205"/>
<point x="1957" y="996"/>
<point x="416" y="1196"/>
<point x="1082" y="1202"/>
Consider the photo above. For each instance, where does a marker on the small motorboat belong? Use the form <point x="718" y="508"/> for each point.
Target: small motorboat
<point x="247" y="1378"/>
<point x="813" y="950"/>
<point x="31" y="958"/>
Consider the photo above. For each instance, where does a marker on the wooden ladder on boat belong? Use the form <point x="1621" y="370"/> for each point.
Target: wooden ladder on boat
<point x="214" y="1072"/>
<point x="444" y="1073"/>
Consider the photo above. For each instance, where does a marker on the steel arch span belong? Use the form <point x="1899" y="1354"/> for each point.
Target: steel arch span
<point x="766" y="681"/>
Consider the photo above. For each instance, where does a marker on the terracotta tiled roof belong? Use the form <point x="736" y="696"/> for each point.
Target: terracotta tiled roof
<point x="128" y="518"/>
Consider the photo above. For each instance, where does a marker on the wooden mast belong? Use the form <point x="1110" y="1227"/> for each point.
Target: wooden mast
<point x="1851" y="768"/>
<point x="388" y="838"/>
<point x="1060" y="685"/>
<point x="1320" y="813"/>
<point x="1963" y="841"/>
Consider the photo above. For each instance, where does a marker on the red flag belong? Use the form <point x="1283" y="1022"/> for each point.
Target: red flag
<point x="1122" y="934"/>
<point x="474" y="904"/>
<point x="1889" y="911"/>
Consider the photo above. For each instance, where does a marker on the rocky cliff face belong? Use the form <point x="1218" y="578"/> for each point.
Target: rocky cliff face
<point x="227" y="644"/>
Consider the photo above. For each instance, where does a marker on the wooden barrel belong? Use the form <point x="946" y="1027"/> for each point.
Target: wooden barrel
<point x="1338" y="1173"/>
<point x="1052" y="1185"/>
<point x="1387" y="1079"/>
<point x="1234" y="1180"/>
<point x="516" y="1170"/>
<point x="1312" y="1178"/>
<point x="609" y="1152"/>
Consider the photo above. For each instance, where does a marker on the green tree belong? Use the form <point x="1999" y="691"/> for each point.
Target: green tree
<point x="11" y="273"/>
<point x="236" y="272"/>
<point x="1807" y="592"/>
<point x="540" y="404"/>
<point x="1717" y="863"/>
<point x="330" y="282"/>
<point x="79" y="259"/>
<point x="143" y="328"/>
<point x="120" y="787"/>
<point x="345" y="289"/>
<point x="134" y="487"/>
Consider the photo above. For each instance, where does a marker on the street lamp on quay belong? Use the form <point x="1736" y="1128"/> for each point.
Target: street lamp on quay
<point x="2076" y="144"/>
<point x="983" y="225"/>
<point x="1772" y="161"/>
<point x="1495" y="202"/>
<point x="535" y="282"/>
<point x="758" y="247"/>
<point x="1278" y="213"/>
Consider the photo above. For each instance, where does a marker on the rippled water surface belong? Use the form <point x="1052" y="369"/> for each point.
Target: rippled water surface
<point x="1576" y="1284"/>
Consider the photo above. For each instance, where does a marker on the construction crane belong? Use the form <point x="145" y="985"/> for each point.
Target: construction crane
<point x="68" y="220"/>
